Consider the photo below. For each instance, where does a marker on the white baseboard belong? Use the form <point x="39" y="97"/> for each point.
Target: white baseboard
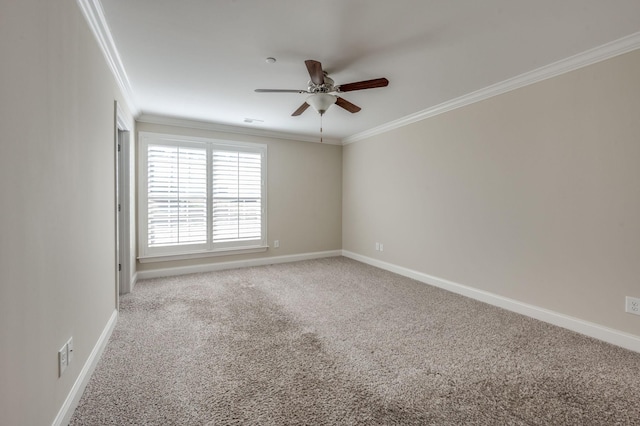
<point x="134" y="280"/>
<point x="210" y="267"/>
<point x="71" y="402"/>
<point x="609" y="335"/>
<point x="127" y="287"/>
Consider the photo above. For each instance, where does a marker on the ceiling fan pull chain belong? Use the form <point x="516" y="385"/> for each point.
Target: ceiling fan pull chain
<point x="320" y="128"/>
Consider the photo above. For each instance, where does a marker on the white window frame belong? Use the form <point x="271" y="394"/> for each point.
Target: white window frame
<point x="177" y="252"/>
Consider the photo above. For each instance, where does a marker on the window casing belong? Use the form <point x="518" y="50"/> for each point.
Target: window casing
<point x="200" y="197"/>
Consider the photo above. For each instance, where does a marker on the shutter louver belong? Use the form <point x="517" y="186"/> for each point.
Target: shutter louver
<point x="177" y="195"/>
<point x="237" y="196"/>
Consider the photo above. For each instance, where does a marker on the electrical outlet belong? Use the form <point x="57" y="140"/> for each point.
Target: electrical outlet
<point x="381" y="247"/>
<point x="70" y="351"/>
<point x="632" y="305"/>
<point x="377" y="246"/>
<point x="276" y="243"/>
<point x="63" y="359"/>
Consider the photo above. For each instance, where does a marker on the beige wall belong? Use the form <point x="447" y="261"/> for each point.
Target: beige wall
<point x="533" y="195"/>
<point x="57" y="249"/>
<point x="304" y="198"/>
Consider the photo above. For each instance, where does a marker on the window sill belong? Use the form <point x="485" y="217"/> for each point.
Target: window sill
<point x="197" y="255"/>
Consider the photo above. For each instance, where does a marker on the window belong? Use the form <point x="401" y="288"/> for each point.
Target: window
<point x="200" y="197"/>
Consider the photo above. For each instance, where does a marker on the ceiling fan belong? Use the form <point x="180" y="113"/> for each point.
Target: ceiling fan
<point x="321" y="90"/>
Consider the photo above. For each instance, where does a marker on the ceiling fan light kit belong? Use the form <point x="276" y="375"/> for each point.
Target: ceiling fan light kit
<point x="321" y="101"/>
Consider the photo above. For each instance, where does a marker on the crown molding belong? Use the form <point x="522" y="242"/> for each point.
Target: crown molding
<point x="225" y="128"/>
<point x="589" y="57"/>
<point x="94" y="15"/>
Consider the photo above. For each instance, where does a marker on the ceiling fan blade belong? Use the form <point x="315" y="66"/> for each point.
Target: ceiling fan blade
<point x="315" y="71"/>
<point x="367" y="84"/>
<point x="300" y="110"/>
<point x="343" y="103"/>
<point x="280" y="91"/>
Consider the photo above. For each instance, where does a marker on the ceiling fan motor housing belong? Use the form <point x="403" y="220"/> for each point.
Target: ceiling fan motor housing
<point x="326" y="87"/>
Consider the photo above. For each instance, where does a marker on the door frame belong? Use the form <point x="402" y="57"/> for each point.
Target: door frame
<point x="122" y="145"/>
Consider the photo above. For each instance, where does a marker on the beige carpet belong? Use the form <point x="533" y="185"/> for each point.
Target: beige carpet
<point x="337" y="342"/>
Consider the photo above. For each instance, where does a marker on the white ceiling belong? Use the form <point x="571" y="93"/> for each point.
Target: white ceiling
<point x="202" y="59"/>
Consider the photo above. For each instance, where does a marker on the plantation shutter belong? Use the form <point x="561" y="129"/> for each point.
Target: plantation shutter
<point x="177" y="195"/>
<point x="237" y="196"/>
<point x="200" y="197"/>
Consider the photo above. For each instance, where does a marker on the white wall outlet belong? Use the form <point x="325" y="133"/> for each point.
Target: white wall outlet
<point x="632" y="305"/>
<point x="63" y="359"/>
<point x="276" y="243"/>
<point x="377" y="246"/>
<point x="70" y="351"/>
<point x="381" y="247"/>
